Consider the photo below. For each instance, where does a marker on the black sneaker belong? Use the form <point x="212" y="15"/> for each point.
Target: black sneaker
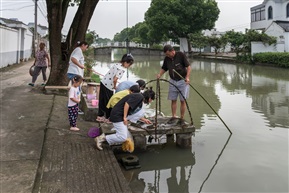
<point x="172" y="120"/>
<point x="182" y="122"/>
<point x="31" y="84"/>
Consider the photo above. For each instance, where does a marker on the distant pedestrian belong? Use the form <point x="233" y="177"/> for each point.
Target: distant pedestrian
<point x="176" y="62"/>
<point x="41" y="63"/>
<point x="76" y="61"/>
<point x="73" y="101"/>
<point x="127" y="84"/>
<point x="108" y="84"/>
<point x="124" y="111"/>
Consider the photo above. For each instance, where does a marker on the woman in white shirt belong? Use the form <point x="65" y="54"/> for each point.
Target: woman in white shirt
<point x="76" y="61"/>
<point x="108" y="84"/>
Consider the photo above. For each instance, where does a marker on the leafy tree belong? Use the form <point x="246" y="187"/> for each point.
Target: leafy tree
<point x="122" y="36"/>
<point x="91" y="37"/>
<point x="198" y="40"/>
<point x="172" y="19"/>
<point x="102" y="40"/>
<point x="142" y="32"/>
<point x="60" y="51"/>
<point x="217" y="43"/>
<point x="254" y="35"/>
<point x="236" y="40"/>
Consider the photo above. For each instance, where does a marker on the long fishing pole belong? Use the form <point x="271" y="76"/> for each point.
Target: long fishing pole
<point x="98" y="73"/>
<point x="157" y="99"/>
<point x="211" y="170"/>
<point x="95" y="71"/>
<point x="205" y="101"/>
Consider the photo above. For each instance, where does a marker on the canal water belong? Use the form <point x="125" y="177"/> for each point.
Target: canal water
<point x="253" y="101"/>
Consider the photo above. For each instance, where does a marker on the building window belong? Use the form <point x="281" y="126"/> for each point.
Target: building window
<point x="287" y="10"/>
<point x="270" y="13"/>
<point x="258" y="15"/>
<point x="262" y="14"/>
<point x="252" y="17"/>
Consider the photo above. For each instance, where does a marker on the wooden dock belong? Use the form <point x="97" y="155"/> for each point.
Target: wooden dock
<point x="141" y="131"/>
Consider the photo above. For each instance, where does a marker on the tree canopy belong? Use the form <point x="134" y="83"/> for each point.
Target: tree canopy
<point x="172" y="19"/>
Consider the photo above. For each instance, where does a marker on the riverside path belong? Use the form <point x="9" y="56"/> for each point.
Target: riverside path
<point x="39" y="153"/>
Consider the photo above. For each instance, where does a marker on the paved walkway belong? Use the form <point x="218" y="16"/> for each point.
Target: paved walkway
<point x="39" y="153"/>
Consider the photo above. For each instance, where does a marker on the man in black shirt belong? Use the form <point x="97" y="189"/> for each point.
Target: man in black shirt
<point x="176" y="62"/>
<point x="126" y="109"/>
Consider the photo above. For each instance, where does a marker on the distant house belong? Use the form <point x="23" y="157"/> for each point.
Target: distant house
<point x="209" y="49"/>
<point x="16" y="42"/>
<point x="272" y="17"/>
<point x="41" y="30"/>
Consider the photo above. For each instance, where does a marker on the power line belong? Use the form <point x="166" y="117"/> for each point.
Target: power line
<point x="16" y="9"/>
<point x="42" y="4"/>
<point x="45" y="17"/>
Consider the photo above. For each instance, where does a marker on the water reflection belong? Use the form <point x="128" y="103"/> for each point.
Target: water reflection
<point x="254" y="103"/>
<point x="163" y="163"/>
<point x="270" y="95"/>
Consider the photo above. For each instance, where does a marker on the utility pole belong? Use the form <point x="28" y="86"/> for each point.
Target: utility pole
<point x="35" y="27"/>
<point x="127" y="41"/>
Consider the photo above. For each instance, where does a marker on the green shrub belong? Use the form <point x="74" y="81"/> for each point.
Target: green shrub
<point x="95" y="78"/>
<point x="244" y="58"/>
<point x="280" y="59"/>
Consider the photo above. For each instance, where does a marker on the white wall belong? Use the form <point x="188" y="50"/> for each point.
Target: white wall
<point x="184" y="45"/>
<point x="286" y="39"/>
<point x="258" y="47"/>
<point x="28" y="45"/>
<point x="15" y="45"/>
<point x="278" y="32"/>
<point x="9" y="44"/>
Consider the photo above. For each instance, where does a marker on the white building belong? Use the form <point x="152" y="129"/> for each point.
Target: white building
<point x="209" y="49"/>
<point x="41" y="30"/>
<point x="272" y="16"/>
<point x="16" y="42"/>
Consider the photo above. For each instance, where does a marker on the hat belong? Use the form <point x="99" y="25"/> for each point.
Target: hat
<point x="93" y="132"/>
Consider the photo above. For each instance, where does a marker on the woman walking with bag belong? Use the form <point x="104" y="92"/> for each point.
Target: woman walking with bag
<point x="40" y="64"/>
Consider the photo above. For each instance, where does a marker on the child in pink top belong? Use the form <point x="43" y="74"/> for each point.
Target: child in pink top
<point x="73" y="101"/>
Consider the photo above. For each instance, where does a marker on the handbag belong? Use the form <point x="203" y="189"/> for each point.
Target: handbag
<point x="32" y="68"/>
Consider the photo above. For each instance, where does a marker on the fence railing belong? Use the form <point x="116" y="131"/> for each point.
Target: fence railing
<point x="121" y="44"/>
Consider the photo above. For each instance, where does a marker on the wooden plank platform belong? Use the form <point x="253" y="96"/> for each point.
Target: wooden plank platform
<point x="57" y="87"/>
<point x="163" y="127"/>
<point x="58" y="90"/>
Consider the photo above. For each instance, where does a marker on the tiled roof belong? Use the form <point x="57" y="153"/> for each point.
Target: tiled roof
<point x="283" y="24"/>
<point x="5" y="21"/>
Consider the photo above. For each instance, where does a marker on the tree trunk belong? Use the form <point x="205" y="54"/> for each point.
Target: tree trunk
<point x="57" y="10"/>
